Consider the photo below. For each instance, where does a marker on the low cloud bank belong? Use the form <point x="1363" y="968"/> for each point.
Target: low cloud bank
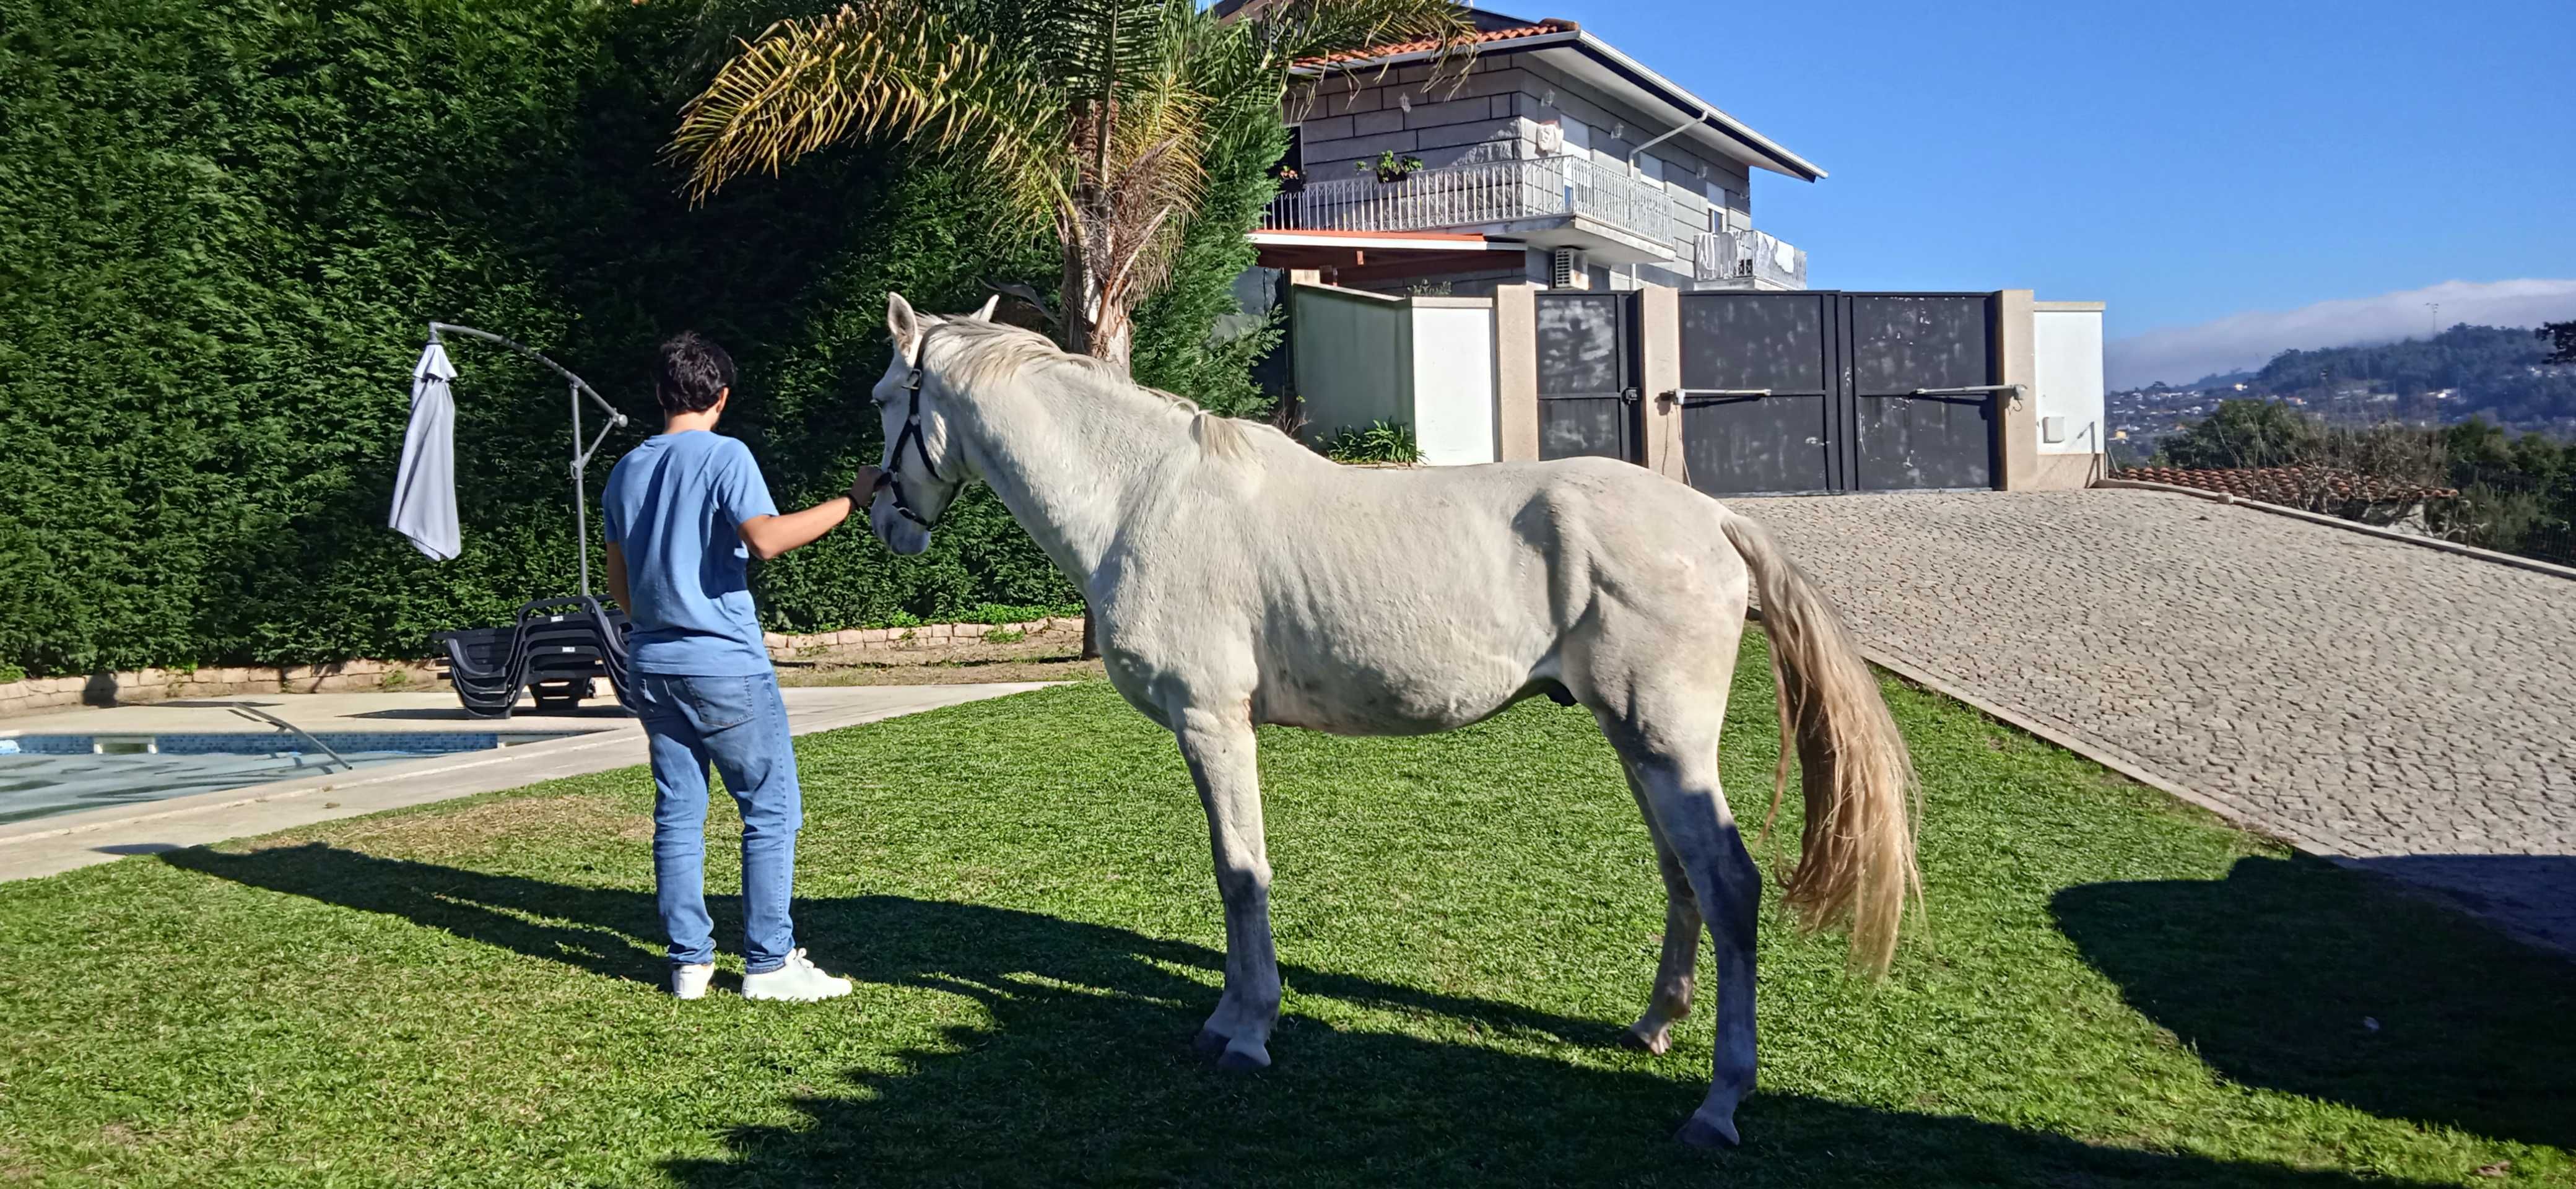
<point x="2179" y="355"/>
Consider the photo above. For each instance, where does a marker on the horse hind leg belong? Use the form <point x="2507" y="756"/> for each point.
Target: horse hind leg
<point x="1672" y="750"/>
<point x="1677" y="971"/>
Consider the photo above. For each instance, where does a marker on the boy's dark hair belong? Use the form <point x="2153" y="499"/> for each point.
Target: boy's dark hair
<point x="693" y="372"/>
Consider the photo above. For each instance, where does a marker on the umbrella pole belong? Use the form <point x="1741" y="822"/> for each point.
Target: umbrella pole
<point x="580" y="496"/>
<point x="580" y="456"/>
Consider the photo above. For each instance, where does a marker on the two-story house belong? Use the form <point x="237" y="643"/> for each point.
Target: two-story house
<point x="1551" y="158"/>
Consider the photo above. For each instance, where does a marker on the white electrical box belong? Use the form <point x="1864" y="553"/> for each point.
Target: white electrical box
<point x="1551" y="139"/>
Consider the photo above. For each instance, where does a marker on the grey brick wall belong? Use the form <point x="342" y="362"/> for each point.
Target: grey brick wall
<point x="1499" y="100"/>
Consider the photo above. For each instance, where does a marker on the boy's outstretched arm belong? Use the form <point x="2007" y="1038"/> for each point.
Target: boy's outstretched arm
<point x="617" y="578"/>
<point x="769" y="536"/>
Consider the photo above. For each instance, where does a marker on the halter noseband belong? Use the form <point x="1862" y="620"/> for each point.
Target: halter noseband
<point x="911" y="433"/>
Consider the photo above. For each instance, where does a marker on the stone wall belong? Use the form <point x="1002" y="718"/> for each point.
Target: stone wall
<point x="858" y="643"/>
<point x="37" y="694"/>
<point x="155" y="685"/>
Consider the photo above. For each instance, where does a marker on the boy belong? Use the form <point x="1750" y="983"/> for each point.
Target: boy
<point x="684" y="511"/>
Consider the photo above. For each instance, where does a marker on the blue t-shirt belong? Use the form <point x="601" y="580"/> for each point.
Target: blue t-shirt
<point x="674" y="506"/>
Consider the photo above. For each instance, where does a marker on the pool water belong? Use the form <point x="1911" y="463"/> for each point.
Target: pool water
<point x="43" y="775"/>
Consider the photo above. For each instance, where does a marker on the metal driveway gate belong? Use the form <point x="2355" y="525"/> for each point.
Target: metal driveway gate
<point x="1587" y="376"/>
<point x="1827" y="391"/>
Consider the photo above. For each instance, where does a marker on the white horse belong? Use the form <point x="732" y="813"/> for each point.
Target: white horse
<point x="1235" y="578"/>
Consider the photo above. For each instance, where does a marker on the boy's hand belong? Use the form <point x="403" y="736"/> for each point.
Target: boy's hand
<point x="863" y="490"/>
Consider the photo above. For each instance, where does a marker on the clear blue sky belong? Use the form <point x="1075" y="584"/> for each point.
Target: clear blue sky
<point x="2182" y="161"/>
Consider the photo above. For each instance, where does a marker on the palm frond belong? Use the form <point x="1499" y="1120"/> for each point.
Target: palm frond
<point x="893" y="68"/>
<point x="1292" y="31"/>
<point x="1087" y="45"/>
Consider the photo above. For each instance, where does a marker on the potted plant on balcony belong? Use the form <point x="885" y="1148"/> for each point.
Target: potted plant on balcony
<point x="1391" y="168"/>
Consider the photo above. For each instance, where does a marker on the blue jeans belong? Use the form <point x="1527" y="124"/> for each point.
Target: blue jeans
<point x="740" y="725"/>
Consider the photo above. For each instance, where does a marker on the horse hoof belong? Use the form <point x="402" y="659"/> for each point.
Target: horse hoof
<point x="1704" y="1132"/>
<point x="1209" y="1042"/>
<point x="1244" y="1059"/>
<point x="1647" y="1042"/>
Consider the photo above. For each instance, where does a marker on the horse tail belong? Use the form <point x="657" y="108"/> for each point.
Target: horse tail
<point x="1856" y="854"/>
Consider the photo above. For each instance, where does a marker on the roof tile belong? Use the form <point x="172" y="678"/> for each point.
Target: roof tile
<point x="2294" y="486"/>
<point x="1424" y="45"/>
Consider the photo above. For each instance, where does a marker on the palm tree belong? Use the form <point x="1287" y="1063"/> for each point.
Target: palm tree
<point x="1094" y="115"/>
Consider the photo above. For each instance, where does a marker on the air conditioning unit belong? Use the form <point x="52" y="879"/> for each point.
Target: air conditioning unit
<point x="1566" y="269"/>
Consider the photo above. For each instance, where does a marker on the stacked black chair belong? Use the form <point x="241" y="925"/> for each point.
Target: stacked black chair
<point x="483" y="665"/>
<point x="557" y="649"/>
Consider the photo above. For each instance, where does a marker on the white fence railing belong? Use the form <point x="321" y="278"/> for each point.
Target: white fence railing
<point x="1477" y="192"/>
<point x="1485" y="192"/>
<point x="1747" y="255"/>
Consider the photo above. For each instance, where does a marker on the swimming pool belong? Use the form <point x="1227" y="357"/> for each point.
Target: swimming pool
<point x="43" y="775"/>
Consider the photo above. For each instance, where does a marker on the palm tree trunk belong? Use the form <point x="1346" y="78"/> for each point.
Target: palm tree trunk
<point x="1074" y="297"/>
<point x="1099" y="326"/>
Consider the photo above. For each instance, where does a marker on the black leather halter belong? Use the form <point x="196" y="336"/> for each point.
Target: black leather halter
<point x="911" y="433"/>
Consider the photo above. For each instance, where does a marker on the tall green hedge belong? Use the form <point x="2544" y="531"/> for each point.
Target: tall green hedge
<point x="223" y="226"/>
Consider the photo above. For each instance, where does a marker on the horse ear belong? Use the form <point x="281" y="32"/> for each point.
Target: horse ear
<point x="904" y="325"/>
<point x="986" y="314"/>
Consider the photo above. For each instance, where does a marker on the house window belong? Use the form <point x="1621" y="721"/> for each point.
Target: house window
<point x="1650" y="166"/>
<point x="1722" y="209"/>
<point x="1291" y="169"/>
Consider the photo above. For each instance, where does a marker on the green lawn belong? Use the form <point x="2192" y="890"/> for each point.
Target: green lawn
<point x="2112" y="990"/>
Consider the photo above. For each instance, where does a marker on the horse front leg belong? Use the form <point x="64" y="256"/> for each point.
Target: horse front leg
<point x="1220" y="749"/>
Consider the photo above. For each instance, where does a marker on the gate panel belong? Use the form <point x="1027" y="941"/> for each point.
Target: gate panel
<point x="1818" y="391"/>
<point x="1587" y="368"/>
<point x="1903" y="342"/>
<point x="1757" y="380"/>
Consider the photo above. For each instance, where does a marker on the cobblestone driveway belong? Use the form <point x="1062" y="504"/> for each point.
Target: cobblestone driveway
<point x="2369" y="699"/>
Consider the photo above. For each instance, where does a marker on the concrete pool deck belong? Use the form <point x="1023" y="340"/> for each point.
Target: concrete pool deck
<point x="608" y="739"/>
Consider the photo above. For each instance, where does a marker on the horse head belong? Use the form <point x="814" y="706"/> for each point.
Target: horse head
<point x="924" y="469"/>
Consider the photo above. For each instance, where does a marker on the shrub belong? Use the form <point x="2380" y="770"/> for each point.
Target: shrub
<point x="224" y="224"/>
<point x="1382" y="441"/>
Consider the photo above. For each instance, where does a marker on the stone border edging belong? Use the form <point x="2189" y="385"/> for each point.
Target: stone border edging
<point x="2310" y="841"/>
<point x="2220" y="497"/>
<point x="35" y="695"/>
<point x="2323" y="844"/>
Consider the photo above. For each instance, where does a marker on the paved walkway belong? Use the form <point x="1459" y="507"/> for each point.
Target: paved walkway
<point x="2368" y="699"/>
<point x="606" y="738"/>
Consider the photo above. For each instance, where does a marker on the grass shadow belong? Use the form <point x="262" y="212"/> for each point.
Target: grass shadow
<point x="1078" y="1067"/>
<point x="2294" y="975"/>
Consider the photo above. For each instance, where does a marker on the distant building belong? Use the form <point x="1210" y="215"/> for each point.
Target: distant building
<point x="1553" y="159"/>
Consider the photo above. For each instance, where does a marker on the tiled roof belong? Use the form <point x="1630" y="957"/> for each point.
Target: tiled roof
<point x="1424" y="45"/>
<point x="2295" y="486"/>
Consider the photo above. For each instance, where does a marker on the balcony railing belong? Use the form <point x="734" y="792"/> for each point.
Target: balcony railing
<point x="1744" y="254"/>
<point x="1488" y="192"/>
<point x="1470" y="194"/>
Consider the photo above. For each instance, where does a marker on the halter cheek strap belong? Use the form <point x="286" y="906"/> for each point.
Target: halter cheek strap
<point x="910" y="435"/>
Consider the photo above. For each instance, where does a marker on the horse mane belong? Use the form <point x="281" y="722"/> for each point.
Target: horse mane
<point x="985" y="353"/>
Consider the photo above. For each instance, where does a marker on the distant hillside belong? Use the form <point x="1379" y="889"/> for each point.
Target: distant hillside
<point x="2219" y="380"/>
<point x="2466" y="371"/>
<point x="2489" y="372"/>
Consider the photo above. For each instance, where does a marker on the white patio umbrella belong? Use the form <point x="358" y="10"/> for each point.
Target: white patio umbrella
<point x="424" y="507"/>
<point x="425" y="487"/>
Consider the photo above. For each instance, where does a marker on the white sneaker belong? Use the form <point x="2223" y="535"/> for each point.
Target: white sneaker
<point x="690" y="982"/>
<point x="797" y="981"/>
